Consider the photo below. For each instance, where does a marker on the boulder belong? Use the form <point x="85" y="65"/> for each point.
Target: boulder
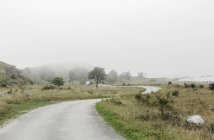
<point x="29" y="94"/>
<point x="2" y="94"/>
<point x="196" y="119"/>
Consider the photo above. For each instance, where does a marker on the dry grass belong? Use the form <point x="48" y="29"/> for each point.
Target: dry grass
<point x="146" y="119"/>
<point x="35" y="94"/>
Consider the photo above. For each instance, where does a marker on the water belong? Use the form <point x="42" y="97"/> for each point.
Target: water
<point x="150" y="89"/>
<point x="199" y="79"/>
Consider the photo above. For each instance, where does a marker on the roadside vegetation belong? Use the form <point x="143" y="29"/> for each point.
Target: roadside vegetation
<point x="162" y="115"/>
<point x="16" y="101"/>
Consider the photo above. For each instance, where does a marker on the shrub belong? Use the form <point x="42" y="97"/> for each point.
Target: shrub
<point x="193" y="85"/>
<point x="90" y="92"/>
<point x="211" y="128"/>
<point x="48" y="87"/>
<point x="116" y="101"/>
<point x="211" y="86"/>
<point x="143" y="98"/>
<point x="170" y="82"/>
<point x="58" y="81"/>
<point x="175" y="93"/>
<point x="138" y="97"/>
<point x="162" y="104"/>
<point x="201" y="86"/>
<point x="186" y="85"/>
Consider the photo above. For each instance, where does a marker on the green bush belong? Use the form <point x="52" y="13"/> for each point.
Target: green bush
<point x="143" y="99"/>
<point x="186" y="85"/>
<point x="170" y="82"/>
<point x="48" y="87"/>
<point x="138" y="97"/>
<point x="211" y="86"/>
<point x="116" y="101"/>
<point x="193" y="85"/>
<point x="201" y="86"/>
<point x="175" y="93"/>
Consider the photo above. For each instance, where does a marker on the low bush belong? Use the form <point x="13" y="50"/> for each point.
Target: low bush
<point x="186" y="85"/>
<point x="116" y="101"/>
<point x="175" y="93"/>
<point x="193" y="85"/>
<point x="138" y="97"/>
<point x="201" y="86"/>
<point x="48" y="87"/>
<point x="90" y="92"/>
<point x="211" y="86"/>
<point x="163" y="104"/>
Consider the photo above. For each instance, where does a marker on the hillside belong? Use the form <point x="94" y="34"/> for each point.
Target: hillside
<point x="10" y="75"/>
<point x="50" y="71"/>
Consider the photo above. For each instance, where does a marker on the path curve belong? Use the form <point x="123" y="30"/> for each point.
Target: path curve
<point x="71" y="120"/>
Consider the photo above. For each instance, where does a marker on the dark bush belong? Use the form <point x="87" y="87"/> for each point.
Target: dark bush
<point x="186" y="85"/>
<point x="116" y="101"/>
<point x="211" y="128"/>
<point x="175" y="93"/>
<point x="211" y="86"/>
<point x="143" y="98"/>
<point x="163" y="103"/>
<point x="138" y="97"/>
<point x="144" y="117"/>
<point x="170" y="82"/>
<point x="48" y="87"/>
<point x="193" y="85"/>
<point x="90" y="92"/>
<point x="201" y="86"/>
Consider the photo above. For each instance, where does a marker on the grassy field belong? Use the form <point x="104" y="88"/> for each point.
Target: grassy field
<point x="162" y="115"/>
<point x="22" y="100"/>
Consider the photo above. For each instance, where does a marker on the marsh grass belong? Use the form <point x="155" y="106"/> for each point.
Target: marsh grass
<point x="30" y="97"/>
<point x="145" y="116"/>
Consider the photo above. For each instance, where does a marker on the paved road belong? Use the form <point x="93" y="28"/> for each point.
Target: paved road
<point x="72" y="120"/>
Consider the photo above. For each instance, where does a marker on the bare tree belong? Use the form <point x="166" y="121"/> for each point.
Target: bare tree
<point x="140" y="75"/>
<point x="128" y="76"/>
<point x="71" y="76"/>
<point x="112" y="76"/>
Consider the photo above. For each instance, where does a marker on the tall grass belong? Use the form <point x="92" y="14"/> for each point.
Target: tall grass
<point x="163" y="115"/>
<point x="37" y="96"/>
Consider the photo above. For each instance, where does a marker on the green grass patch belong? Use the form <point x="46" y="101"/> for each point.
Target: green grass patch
<point x="119" y="125"/>
<point x="18" y="109"/>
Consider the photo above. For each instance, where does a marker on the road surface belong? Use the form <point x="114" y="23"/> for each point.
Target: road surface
<point x="71" y="120"/>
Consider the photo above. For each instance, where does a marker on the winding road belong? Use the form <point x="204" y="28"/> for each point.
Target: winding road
<point x="71" y="120"/>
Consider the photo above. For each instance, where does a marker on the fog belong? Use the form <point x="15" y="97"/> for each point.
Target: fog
<point x="164" y="38"/>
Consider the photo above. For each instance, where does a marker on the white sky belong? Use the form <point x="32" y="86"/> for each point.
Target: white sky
<point x="160" y="37"/>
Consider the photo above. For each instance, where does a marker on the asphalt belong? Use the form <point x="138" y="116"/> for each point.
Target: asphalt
<point x="72" y="120"/>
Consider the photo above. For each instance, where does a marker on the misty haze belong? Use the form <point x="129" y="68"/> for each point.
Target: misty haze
<point x="106" y="70"/>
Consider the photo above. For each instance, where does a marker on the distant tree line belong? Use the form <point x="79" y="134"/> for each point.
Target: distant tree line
<point x="95" y="76"/>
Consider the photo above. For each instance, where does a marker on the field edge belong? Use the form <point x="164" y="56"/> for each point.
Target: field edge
<point x="120" y="126"/>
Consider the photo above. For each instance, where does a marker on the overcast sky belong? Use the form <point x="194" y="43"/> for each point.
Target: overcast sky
<point x="160" y="37"/>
